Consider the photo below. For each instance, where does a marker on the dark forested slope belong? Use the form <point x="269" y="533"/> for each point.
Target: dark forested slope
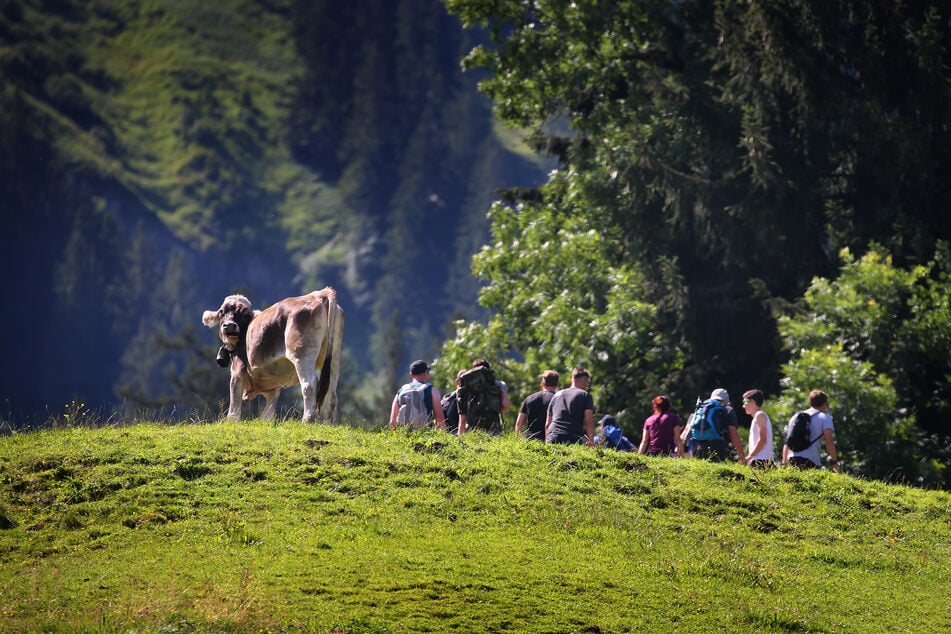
<point x="156" y="156"/>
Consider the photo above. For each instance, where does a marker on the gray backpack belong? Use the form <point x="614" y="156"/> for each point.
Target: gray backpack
<point x="413" y="410"/>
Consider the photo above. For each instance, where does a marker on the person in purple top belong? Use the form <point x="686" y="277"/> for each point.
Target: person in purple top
<point x="662" y="430"/>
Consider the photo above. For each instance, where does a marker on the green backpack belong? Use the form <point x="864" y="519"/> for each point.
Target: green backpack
<point x="481" y="397"/>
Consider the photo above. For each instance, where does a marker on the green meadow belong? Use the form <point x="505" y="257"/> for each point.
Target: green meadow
<point x="284" y="527"/>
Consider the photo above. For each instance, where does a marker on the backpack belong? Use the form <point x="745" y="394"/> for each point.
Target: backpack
<point x="481" y="398"/>
<point x="708" y="420"/>
<point x="413" y="410"/>
<point x="799" y="432"/>
<point x="450" y="410"/>
<point x="615" y="439"/>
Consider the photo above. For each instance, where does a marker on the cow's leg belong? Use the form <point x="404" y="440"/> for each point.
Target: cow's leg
<point x="234" y="408"/>
<point x="270" y="404"/>
<point x="307" y="375"/>
<point x="328" y="409"/>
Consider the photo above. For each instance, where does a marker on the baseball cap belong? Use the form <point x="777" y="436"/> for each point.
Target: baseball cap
<point x="720" y="394"/>
<point x="418" y="367"/>
<point x="607" y="419"/>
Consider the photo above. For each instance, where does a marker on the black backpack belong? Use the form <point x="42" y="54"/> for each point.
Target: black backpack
<point x="799" y="432"/>
<point x="450" y="410"/>
<point x="480" y="398"/>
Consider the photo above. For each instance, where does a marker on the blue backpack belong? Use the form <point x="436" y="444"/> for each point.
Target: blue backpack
<point x="614" y="438"/>
<point x="708" y="420"/>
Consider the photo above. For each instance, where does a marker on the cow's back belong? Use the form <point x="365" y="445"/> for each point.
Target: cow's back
<point x="296" y="326"/>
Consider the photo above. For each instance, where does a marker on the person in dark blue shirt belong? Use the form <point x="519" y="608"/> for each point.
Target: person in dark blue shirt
<point x="612" y="436"/>
<point x="531" y="418"/>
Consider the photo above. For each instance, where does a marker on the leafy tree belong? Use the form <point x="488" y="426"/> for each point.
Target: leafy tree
<point x="874" y="436"/>
<point x="561" y="297"/>
<point x="864" y="308"/>
<point x="872" y="339"/>
<point x="742" y="144"/>
<point x="923" y="361"/>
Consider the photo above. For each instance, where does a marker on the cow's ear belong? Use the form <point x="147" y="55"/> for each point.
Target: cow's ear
<point x="210" y="318"/>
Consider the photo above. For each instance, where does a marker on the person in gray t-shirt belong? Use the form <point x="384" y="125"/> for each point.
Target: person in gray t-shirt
<point x="571" y="412"/>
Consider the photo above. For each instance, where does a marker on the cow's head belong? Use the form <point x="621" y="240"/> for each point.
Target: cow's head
<point x="232" y="320"/>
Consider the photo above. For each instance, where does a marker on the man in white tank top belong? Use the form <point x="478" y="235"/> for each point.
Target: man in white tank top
<point x="760" y="454"/>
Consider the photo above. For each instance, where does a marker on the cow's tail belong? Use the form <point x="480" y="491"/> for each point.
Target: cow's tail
<point x="325" y="372"/>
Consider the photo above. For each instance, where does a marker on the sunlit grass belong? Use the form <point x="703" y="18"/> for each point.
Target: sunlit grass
<point x="284" y="527"/>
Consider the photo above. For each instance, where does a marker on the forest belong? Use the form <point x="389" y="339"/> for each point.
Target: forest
<point x="157" y="156"/>
<point x="677" y="195"/>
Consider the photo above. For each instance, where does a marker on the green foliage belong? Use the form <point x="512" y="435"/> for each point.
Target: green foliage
<point x="260" y="527"/>
<point x="862" y="308"/>
<point x="562" y="295"/>
<point x="923" y="366"/>
<point x="740" y="145"/>
<point x="858" y="337"/>
<point x="874" y="437"/>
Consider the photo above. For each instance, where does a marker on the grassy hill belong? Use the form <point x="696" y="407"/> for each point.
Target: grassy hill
<point x="257" y="526"/>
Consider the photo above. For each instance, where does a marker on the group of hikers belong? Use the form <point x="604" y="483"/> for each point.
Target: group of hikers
<point x="566" y="415"/>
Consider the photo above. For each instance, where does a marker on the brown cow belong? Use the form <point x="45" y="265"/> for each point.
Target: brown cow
<point x="281" y="346"/>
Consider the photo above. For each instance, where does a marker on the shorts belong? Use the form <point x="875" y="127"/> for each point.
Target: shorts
<point x="802" y="463"/>
<point x="712" y="450"/>
<point x="565" y="439"/>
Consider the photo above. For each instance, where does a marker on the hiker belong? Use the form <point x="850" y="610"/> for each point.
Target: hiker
<point x="714" y="418"/>
<point x="531" y="417"/>
<point x="761" y="431"/>
<point x="571" y="412"/>
<point x="482" y="399"/>
<point x="414" y="402"/>
<point x="662" y="429"/>
<point x="612" y="436"/>
<point x="820" y="427"/>
<point x="450" y="406"/>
